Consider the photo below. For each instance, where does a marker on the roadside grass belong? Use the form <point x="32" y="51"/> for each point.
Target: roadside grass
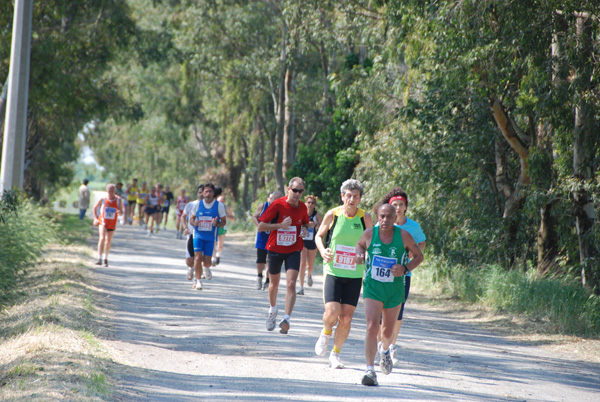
<point x="49" y="332"/>
<point x="554" y="306"/>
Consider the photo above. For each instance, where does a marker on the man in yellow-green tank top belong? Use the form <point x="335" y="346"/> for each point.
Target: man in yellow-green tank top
<point x="384" y="250"/>
<point x="336" y="240"/>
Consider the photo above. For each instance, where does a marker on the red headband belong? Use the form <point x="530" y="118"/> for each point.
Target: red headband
<point x="398" y="197"/>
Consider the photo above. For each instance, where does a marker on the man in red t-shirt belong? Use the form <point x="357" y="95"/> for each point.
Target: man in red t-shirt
<point x="287" y="220"/>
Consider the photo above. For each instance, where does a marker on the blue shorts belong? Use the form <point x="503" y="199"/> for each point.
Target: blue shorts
<point x="205" y="247"/>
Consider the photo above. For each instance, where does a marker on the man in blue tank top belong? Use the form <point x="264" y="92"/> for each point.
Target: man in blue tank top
<point x="206" y="216"/>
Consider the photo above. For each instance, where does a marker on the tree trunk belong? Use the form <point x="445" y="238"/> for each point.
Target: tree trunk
<point x="547" y="239"/>
<point x="279" y="149"/>
<point x="583" y="156"/>
<point x="288" y="126"/>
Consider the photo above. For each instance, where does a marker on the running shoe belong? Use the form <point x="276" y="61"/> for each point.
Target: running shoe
<point x="266" y="285"/>
<point x="190" y="274"/>
<point x="284" y="326"/>
<point x="271" y="320"/>
<point x="300" y="291"/>
<point x="395" y="352"/>
<point x="309" y="281"/>
<point x="106" y="263"/>
<point x="156" y="230"/>
<point x="370" y="378"/>
<point x="207" y="274"/>
<point x="99" y="262"/>
<point x="149" y="234"/>
<point x="218" y="260"/>
<point x="214" y="261"/>
<point x="259" y="283"/>
<point x="198" y="284"/>
<point x="385" y="364"/>
<point x="334" y="361"/>
<point x="321" y="345"/>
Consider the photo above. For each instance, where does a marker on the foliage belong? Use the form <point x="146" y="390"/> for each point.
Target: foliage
<point x="560" y="303"/>
<point x="23" y="236"/>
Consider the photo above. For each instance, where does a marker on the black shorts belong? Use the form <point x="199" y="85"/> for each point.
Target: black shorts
<point x="276" y="260"/>
<point x="406" y="290"/>
<point x="341" y="290"/>
<point x="151" y="210"/>
<point x="165" y="210"/>
<point x="310" y="244"/>
<point x="261" y="256"/>
<point x="190" y="246"/>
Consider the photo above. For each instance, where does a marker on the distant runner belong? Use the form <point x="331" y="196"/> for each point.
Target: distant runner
<point x="182" y="201"/>
<point x="309" y="252"/>
<point x="106" y="211"/>
<point x="260" y="242"/>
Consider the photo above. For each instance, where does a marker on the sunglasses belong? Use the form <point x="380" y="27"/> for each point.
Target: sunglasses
<point x="297" y="190"/>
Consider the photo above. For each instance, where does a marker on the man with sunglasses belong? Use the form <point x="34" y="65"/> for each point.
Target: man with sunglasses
<point x="287" y="220"/>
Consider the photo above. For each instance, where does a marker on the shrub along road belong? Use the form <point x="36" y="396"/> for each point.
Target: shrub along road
<point x="172" y="343"/>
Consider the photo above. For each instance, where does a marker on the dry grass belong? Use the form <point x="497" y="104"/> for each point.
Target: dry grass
<point x="48" y="340"/>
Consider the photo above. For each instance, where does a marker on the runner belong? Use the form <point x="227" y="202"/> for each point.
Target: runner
<point x="132" y="200"/>
<point x="189" y="233"/>
<point x="159" y="214"/>
<point x="222" y="231"/>
<point x="386" y="247"/>
<point x="182" y="201"/>
<point x="152" y="205"/>
<point x="309" y="252"/>
<point x="336" y="240"/>
<point x="261" y="242"/>
<point x="119" y="192"/>
<point x="398" y="198"/>
<point x="287" y="220"/>
<point x="168" y="201"/>
<point x="141" y="199"/>
<point x="106" y="211"/>
<point x="206" y="216"/>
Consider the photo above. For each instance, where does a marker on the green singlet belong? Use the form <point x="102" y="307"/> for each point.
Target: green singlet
<point x="379" y="283"/>
<point x="343" y="235"/>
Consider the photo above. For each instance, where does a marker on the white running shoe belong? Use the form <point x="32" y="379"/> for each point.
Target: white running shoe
<point x="198" y="285"/>
<point x="385" y="364"/>
<point x="259" y="282"/>
<point x="321" y="345"/>
<point x="334" y="361"/>
<point x="208" y="274"/>
<point x="190" y="274"/>
<point x="213" y="261"/>
<point x="271" y="320"/>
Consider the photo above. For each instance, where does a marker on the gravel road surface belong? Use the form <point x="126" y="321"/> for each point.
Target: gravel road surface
<point x="172" y="343"/>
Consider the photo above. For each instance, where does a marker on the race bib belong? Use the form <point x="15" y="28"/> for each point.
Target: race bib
<point x="286" y="237"/>
<point x="310" y="235"/>
<point x="345" y="257"/>
<point x="110" y="213"/>
<point x="182" y="206"/>
<point x="204" y="223"/>
<point x="381" y="268"/>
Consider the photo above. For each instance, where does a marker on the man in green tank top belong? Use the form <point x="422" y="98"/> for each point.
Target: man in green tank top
<point x="386" y="262"/>
<point x="336" y="241"/>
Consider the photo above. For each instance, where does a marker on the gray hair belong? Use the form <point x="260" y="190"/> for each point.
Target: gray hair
<point x="350" y="185"/>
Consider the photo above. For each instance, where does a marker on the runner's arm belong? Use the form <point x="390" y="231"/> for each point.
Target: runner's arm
<point x="411" y="246"/>
<point x="326" y="254"/>
<point x="363" y="244"/>
<point x="95" y="208"/>
<point x="368" y="221"/>
<point x="257" y="214"/>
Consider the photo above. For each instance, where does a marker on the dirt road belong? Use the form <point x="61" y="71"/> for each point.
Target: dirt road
<point x="173" y="343"/>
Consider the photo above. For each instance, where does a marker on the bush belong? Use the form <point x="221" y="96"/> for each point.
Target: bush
<point x="568" y="307"/>
<point x="24" y="231"/>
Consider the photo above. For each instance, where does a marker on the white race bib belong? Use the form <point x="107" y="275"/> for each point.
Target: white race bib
<point x="286" y="237"/>
<point x="345" y="257"/>
<point x="110" y="213"/>
<point x="381" y="268"/>
<point x="204" y="223"/>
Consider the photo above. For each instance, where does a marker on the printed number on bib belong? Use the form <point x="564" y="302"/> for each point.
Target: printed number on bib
<point x="345" y="257"/>
<point x="310" y="235"/>
<point x="205" y="223"/>
<point x="286" y="237"/>
<point x="381" y="269"/>
<point x="110" y="213"/>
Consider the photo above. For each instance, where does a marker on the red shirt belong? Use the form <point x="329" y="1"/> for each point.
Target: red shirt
<point x="285" y="240"/>
<point x="109" y="211"/>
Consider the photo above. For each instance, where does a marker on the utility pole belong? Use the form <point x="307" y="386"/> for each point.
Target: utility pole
<point x="13" y="150"/>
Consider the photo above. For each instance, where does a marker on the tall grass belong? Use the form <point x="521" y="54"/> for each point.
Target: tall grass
<point x="23" y="234"/>
<point x="563" y="303"/>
